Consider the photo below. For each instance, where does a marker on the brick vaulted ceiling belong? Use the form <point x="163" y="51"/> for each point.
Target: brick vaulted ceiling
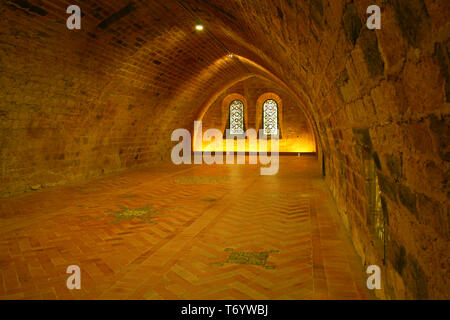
<point x="81" y="103"/>
<point x="137" y="70"/>
<point x="109" y="95"/>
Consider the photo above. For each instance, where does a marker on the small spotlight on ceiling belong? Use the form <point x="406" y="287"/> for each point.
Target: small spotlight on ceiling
<point x="199" y="27"/>
<point x="231" y="55"/>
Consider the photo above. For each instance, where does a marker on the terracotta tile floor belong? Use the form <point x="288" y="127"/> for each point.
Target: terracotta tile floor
<point x="182" y="232"/>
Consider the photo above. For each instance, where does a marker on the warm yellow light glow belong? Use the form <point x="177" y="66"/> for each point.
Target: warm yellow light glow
<point x="230" y="55"/>
<point x="199" y="27"/>
<point x="285" y="145"/>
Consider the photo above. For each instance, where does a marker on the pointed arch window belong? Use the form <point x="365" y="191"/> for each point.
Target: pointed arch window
<point x="270" y="117"/>
<point x="237" y="117"/>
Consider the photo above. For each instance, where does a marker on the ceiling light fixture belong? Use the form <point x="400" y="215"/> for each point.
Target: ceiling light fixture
<point x="231" y="55"/>
<point x="199" y="27"/>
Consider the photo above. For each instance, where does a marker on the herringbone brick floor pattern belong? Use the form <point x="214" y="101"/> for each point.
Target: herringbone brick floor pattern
<point x="186" y="232"/>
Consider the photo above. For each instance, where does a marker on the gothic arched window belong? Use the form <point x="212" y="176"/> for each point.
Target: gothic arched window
<point x="270" y="117"/>
<point x="237" y="117"/>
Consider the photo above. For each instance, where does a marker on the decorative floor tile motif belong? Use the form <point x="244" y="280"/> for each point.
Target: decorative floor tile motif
<point x="240" y="257"/>
<point x="249" y="257"/>
<point x="288" y="195"/>
<point x="143" y="213"/>
<point x="90" y="189"/>
<point x="203" y="180"/>
<point x="278" y="195"/>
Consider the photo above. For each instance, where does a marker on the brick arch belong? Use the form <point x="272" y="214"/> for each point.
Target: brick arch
<point x="263" y="73"/>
